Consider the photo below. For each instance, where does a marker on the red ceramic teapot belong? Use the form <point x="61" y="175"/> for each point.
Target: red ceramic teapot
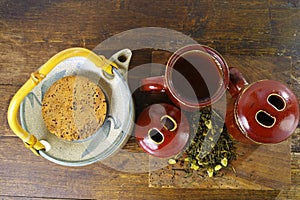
<point x="262" y="112"/>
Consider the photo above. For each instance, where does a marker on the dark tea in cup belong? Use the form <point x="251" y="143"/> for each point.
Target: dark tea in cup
<point x="196" y="76"/>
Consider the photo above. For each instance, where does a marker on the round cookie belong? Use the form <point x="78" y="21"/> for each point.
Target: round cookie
<point x="74" y="107"/>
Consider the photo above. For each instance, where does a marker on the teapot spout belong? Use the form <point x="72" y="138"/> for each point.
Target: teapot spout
<point x="122" y="59"/>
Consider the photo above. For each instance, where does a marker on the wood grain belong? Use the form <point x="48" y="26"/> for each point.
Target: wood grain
<point x="36" y="177"/>
<point x="264" y="33"/>
<point x="30" y="33"/>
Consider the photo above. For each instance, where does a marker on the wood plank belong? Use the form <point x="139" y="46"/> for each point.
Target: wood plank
<point x="30" y="34"/>
<point x="294" y="191"/>
<point x="252" y="171"/>
<point x="35" y="176"/>
<point x="228" y="30"/>
<point x="38" y="178"/>
<point x="284" y="19"/>
<point x="7" y="92"/>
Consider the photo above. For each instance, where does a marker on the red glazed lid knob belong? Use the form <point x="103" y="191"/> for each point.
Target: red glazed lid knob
<point x="267" y="111"/>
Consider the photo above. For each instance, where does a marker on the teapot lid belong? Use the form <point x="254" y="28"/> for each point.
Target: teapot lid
<point x="162" y="130"/>
<point x="267" y="111"/>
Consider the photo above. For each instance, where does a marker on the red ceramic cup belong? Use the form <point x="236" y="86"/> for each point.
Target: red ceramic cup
<point x="263" y="112"/>
<point x="196" y="76"/>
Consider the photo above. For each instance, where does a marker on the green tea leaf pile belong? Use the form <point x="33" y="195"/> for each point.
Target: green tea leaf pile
<point x="211" y="148"/>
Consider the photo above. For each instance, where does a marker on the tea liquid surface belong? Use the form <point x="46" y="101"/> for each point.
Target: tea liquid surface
<point x="196" y="76"/>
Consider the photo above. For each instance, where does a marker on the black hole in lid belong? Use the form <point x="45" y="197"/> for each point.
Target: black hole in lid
<point x="276" y="101"/>
<point x="122" y="58"/>
<point x="265" y="119"/>
<point x="167" y="123"/>
<point x="156" y="136"/>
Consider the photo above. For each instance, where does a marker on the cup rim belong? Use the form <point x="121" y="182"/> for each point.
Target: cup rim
<point x="222" y="68"/>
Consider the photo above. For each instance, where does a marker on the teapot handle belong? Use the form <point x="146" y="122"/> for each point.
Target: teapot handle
<point x="237" y="82"/>
<point x="30" y="140"/>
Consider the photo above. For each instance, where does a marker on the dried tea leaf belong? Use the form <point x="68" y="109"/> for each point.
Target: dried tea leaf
<point x="218" y="167"/>
<point x="224" y="162"/>
<point x="172" y="161"/>
<point x="194" y="166"/>
<point x="208" y="124"/>
<point x="210" y="172"/>
<point x="211" y="147"/>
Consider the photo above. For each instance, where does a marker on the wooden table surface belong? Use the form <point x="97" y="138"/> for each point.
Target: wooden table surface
<point x="33" y="31"/>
